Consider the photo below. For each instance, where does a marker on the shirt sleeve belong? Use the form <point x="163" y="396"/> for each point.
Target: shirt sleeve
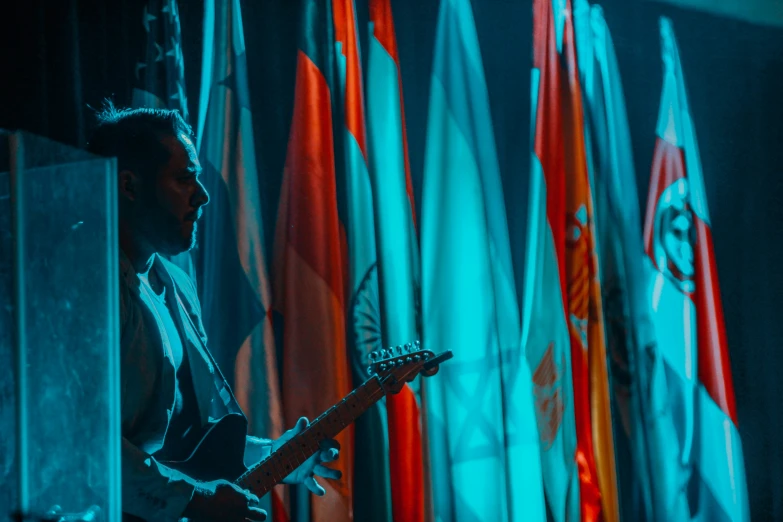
<point x="151" y="490"/>
<point x="256" y="450"/>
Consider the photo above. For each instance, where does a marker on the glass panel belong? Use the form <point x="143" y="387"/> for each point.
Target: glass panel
<point x="8" y="470"/>
<point x="66" y="320"/>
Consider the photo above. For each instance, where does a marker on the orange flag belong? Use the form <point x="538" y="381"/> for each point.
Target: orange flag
<point x="309" y="259"/>
<point x="595" y="445"/>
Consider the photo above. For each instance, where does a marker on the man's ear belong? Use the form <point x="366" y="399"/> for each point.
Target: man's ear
<point x="128" y="185"/>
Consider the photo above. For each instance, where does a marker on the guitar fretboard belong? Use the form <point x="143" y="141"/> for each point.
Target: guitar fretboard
<point x="262" y="477"/>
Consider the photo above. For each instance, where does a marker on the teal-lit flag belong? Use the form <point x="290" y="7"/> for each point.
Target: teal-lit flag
<point x="397" y="252"/>
<point x="650" y="476"/>
<point x="235" y="291"/>
<point x="545" y="335"/>
<point x="372" y="493"/>
<point x="482" y="432"/>
<point x="687" y="313"/>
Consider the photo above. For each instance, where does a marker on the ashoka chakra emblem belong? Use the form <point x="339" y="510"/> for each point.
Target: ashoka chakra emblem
<point x="366" y="315"/>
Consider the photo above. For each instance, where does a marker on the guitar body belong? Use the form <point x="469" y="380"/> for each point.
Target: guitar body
<point x="218" y="455"/>
<point x="221" y="452"/>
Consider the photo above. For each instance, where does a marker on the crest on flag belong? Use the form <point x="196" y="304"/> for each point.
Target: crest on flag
<point x="366" y="316"/>
<point x="548" y="393"/>
<point x="674" y="236"/>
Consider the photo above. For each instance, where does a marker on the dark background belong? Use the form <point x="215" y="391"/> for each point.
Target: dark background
<point x="59" y="57"/>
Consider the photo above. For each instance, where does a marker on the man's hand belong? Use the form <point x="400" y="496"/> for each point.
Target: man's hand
<point x="223" y="502"/>
<point x="305" y="474"/>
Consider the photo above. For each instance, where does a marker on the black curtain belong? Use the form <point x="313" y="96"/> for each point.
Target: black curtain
<point x="58" y="57"/>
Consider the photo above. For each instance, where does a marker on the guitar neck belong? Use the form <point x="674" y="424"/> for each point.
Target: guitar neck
<point x="261" y="478"/>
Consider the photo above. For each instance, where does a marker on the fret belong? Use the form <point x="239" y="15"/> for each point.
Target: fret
<point x="262" y="477"/>
<point x="345" y="412"/>
<point x="353" y="405"/>
<point x="277" y="469"/>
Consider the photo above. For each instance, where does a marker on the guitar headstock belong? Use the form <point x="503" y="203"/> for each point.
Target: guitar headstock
<point x="402" y="363"/>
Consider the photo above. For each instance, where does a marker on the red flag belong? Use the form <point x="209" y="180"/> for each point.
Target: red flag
<point x="544" y="326"/>
<point x="309" y="262"/>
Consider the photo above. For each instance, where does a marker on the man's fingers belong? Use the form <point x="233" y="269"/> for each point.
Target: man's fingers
<point x="300" y="425"/>
<point x="330" y="450"/>
<point x="328" y="455"/>
<point x="323" y="471"/>
<point x="314" y="486"/>
<point x="252" y="500"/>
<point x="329" y="444"/>
<point x="255" y="515"/>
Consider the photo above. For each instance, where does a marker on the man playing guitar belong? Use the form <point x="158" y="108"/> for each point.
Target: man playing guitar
<point x="172" y="392"/>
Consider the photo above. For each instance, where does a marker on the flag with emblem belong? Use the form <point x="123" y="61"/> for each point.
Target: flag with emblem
<point x="397" y="252"/>
<point x="687" y="312"/>
<point x="310" y="258"/>
<point x="482" y="438"/>
<point x="159" y="80"/>
<point x="372" y="491"/>
<point x="545" y="334"/>
<point x="592" y="410"/>
<point x="646" y="448"/>
<point x="235" y="289"/>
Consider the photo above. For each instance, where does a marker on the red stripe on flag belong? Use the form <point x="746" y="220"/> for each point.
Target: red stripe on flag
<point x="714" y="366"/>
<point x="549" y="145"/>
<point x="383" y="26"/>
<point x="668" y="166"/>
<point x="345" y="32"/>
<point x="279" y="511"/>
<point x="406" y="465"/>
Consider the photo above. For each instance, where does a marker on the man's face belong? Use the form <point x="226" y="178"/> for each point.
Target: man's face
<point x="170" y="205"/>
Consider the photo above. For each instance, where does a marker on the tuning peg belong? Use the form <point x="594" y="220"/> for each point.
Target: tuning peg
<point x="408" y="347"/>
<point x="370" y="370"/>
<point x="417" y="345"/>
<point x="373" y="355"/>
<point x="383" y="366"/>
<point x="408" y="360"/>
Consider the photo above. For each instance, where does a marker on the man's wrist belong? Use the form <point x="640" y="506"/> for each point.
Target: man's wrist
<point x="200" y="496"/>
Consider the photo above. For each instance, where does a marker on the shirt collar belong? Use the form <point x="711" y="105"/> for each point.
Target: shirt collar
<point x="128" y="273"/>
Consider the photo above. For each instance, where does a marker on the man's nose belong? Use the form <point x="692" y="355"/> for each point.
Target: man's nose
<point x="201" y="197"/>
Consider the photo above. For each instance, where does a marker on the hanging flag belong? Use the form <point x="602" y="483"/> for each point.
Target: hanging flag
<point x="687" y="310"/>
<point x="310" y="262"/>
<point x="397" y="252"/>
<point x="645" y="442"/>
<point x="372" y="493"/>
<point x="160" y="74"/>
<point x="235" y="288"/>
<point x="544" y="328"/>
<point x="595" y="445"/>
<point x="482" y="438"/>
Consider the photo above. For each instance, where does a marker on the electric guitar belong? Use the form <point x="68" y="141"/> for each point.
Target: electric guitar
<point x="389" y="368"/>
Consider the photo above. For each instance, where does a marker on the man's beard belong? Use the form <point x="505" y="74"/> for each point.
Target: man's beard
<point x="168" y="234"/>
